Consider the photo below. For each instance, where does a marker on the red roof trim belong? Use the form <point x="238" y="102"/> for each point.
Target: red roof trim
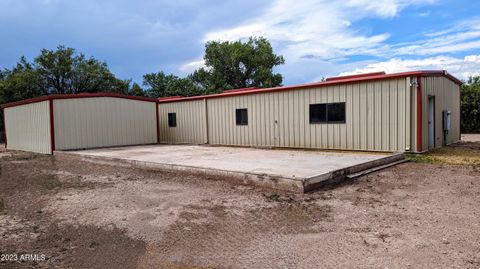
<point x="170" y="97"/>
<point x="355" y="76"/>
<point x="375" y="76"/>
<point x="74" y="96"/>
<point x="239" y="90"/>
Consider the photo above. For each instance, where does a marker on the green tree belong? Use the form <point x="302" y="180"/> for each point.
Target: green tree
<point x="63" y="71"/>
<point x="60" y="71"/>
<point x="470" y="107"/>
<point x="161" y="85"/>
<point x="136" y="90"/>
<point x="236" y="64"/>
<point x="228" y="65"/>
<point x="20" y="83"/>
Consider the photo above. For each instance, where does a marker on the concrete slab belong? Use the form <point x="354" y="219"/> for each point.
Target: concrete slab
<point x="293" y="170"/>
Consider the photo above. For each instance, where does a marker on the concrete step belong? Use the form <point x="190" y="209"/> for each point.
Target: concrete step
<point x="374" y="169"/>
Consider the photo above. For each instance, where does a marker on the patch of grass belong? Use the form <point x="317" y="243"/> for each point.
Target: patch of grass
<point x="421" y="158"/>
<point x="48" y="182"/>
<point x="2" y="206"/>
<point x="448" y="155"/>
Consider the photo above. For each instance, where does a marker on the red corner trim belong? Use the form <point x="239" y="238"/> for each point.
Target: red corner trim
<point x="5" y="128"/>
<point x="419" y="114"/>
<point x="158" y="123"/>
<point x="52" y="126"/>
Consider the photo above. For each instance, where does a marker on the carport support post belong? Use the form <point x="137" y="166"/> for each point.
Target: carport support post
<point x="52" y="125"/>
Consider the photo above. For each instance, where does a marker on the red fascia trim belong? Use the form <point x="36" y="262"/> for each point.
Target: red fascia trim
<point x="419" y="115"/>
<point x="5" y="128"/>
<point x="74" y="96"/>
<point x="318" y="84"/>
<point x="52" y="126"/>
<point x="170" y="97"/>
<point x="355" y="76"/>
<point x="239" y="90"/>
<point x="158" y="123"/>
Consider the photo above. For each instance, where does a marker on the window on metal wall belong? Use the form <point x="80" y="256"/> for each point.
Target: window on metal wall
<point x="172" y="119"/>
<point x="241" y="116"/>
<point x="327" y="113"/>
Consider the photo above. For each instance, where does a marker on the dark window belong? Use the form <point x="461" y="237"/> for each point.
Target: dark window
<point x="327" y="113"/>
<point x="318" y="113"/>
<point x="241" y="116"/>
<point x="172" y="119"/>
<point x="336" y="112"/>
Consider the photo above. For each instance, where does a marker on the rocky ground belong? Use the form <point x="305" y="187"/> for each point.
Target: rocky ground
<point x="77" y="214"/>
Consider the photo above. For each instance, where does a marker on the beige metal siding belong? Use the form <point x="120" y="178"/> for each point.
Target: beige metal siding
<point x="447" y="97"/>
<point x="375" y="118"/>
<point x="102" y="122"/>
<point x="191" y="122"/>
<point x="28" y="127"/>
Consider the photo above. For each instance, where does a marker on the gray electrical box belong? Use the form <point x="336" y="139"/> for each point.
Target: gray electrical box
<point x="446" y="120"/>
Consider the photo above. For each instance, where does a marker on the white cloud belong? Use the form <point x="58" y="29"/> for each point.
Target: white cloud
<point x="319" y="29"/>
<point x="192" y="66"/>
<point x="462" y="68"/>
<point x="463" y="36"/>
<point x="312" y="34"/>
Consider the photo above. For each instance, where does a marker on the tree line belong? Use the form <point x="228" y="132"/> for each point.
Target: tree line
<point x="470" y="106"/>
<point x="228" y="65"/>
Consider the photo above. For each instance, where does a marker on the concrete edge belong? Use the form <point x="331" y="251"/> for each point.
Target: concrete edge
<point x="262" y="180"/>
<point x="318" y="181"/>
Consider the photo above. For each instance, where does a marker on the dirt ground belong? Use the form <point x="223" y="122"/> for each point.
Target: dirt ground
<point x="79" y="214"/>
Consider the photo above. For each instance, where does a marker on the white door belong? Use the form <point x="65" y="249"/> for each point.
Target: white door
<point x="431" y="122"/>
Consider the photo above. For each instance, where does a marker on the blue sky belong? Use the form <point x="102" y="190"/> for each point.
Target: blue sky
<point x="317" y="38"/>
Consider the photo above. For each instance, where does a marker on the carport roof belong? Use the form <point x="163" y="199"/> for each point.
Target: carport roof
<point x="74" y="96"/>
<point x="328" y="81"/>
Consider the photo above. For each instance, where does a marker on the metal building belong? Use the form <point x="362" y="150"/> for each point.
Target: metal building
<point x="411" y="111"/>
<point x="64" y="122"/>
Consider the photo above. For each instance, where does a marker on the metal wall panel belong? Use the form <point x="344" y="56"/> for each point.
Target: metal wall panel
<point x="447" y="97"/>
<point x="102" y="122"/>
<point x="375" y="118"/>
<point x="28" y="127"/>
<point x="191" y="122"/>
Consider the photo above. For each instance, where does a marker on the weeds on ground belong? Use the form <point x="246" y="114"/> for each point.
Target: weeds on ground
<point x="2" y="206"/>
<point x="48" y="182"/>
<point x="448" y="155"/>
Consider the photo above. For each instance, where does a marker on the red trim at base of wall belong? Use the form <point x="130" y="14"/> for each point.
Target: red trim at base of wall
<point x="419" y="114"/>
<point x="52" y="126"/>
<point x="158" y="123"/>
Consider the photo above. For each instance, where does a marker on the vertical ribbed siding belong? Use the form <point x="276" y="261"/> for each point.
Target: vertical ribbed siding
<point x="191" y="122"/>
<point x="103" y="122"/>
<point x="447" y="97"/>
<point x="28" y="127"/>
<point x="375" y="118"/>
